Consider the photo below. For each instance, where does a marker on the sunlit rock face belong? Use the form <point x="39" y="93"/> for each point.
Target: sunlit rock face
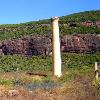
<point x="40" y="45"/>
<point x="34" y="45"/>
<point x="80" y="43"/>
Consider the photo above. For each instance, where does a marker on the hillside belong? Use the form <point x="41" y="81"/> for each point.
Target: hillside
<point x="26" y="62"/>
<point x="80" y="23"/>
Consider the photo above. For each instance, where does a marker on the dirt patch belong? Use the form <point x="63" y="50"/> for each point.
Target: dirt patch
<point x="80" y="89"/>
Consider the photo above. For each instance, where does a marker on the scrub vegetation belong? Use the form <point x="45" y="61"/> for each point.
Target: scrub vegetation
<point x="78" y="76"/>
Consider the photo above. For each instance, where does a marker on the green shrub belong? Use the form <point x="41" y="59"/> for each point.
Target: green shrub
<point x="5" y="82"/>
<point x="41" y="64"/>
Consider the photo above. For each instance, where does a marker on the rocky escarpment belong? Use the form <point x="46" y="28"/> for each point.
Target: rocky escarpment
<point x="40" y="45"/>
<point x="80" y="43"/>
<point x="26" y="46"/>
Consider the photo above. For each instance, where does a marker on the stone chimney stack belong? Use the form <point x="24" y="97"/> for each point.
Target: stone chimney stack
<point x="56" y="47"/>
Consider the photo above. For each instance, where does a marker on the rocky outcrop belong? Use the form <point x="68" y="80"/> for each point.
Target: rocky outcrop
<point x="34" y="45"/>
<point x="91" y="23"/>
<point x="80" y="43"/>
<point x="40" y="45"/>
<point x="88" y="23"/>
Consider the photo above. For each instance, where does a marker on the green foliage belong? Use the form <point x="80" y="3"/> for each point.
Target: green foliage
<point x="21" y="63"/>
<point x="47" y="79"/>
<point x="73" y="66"/>
<point x="43" y="27"/>
<point x="72" y="60"/>
<point x="81" y="17"/>
<point x="39" y="63"/>
<point x="21" y="80"/>
<point x="96" y="83"/>
<point x="5" y="82"/>
<point x="71" y="73"/>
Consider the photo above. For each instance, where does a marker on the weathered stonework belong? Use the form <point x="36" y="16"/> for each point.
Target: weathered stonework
<point x="56" y="54"/>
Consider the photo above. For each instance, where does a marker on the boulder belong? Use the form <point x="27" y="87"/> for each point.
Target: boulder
<point x="13" y="93"/>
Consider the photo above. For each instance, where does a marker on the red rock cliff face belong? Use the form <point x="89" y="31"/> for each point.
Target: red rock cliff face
<point x="80" y="43"/>
<point x="39" y="45"/>
<point x="26" y="46"/>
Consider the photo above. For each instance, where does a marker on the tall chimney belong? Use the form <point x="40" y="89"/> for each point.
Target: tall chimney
<point x="56" y="47"/>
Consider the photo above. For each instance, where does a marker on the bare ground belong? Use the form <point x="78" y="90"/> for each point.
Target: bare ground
<point x="79" y="89"/>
